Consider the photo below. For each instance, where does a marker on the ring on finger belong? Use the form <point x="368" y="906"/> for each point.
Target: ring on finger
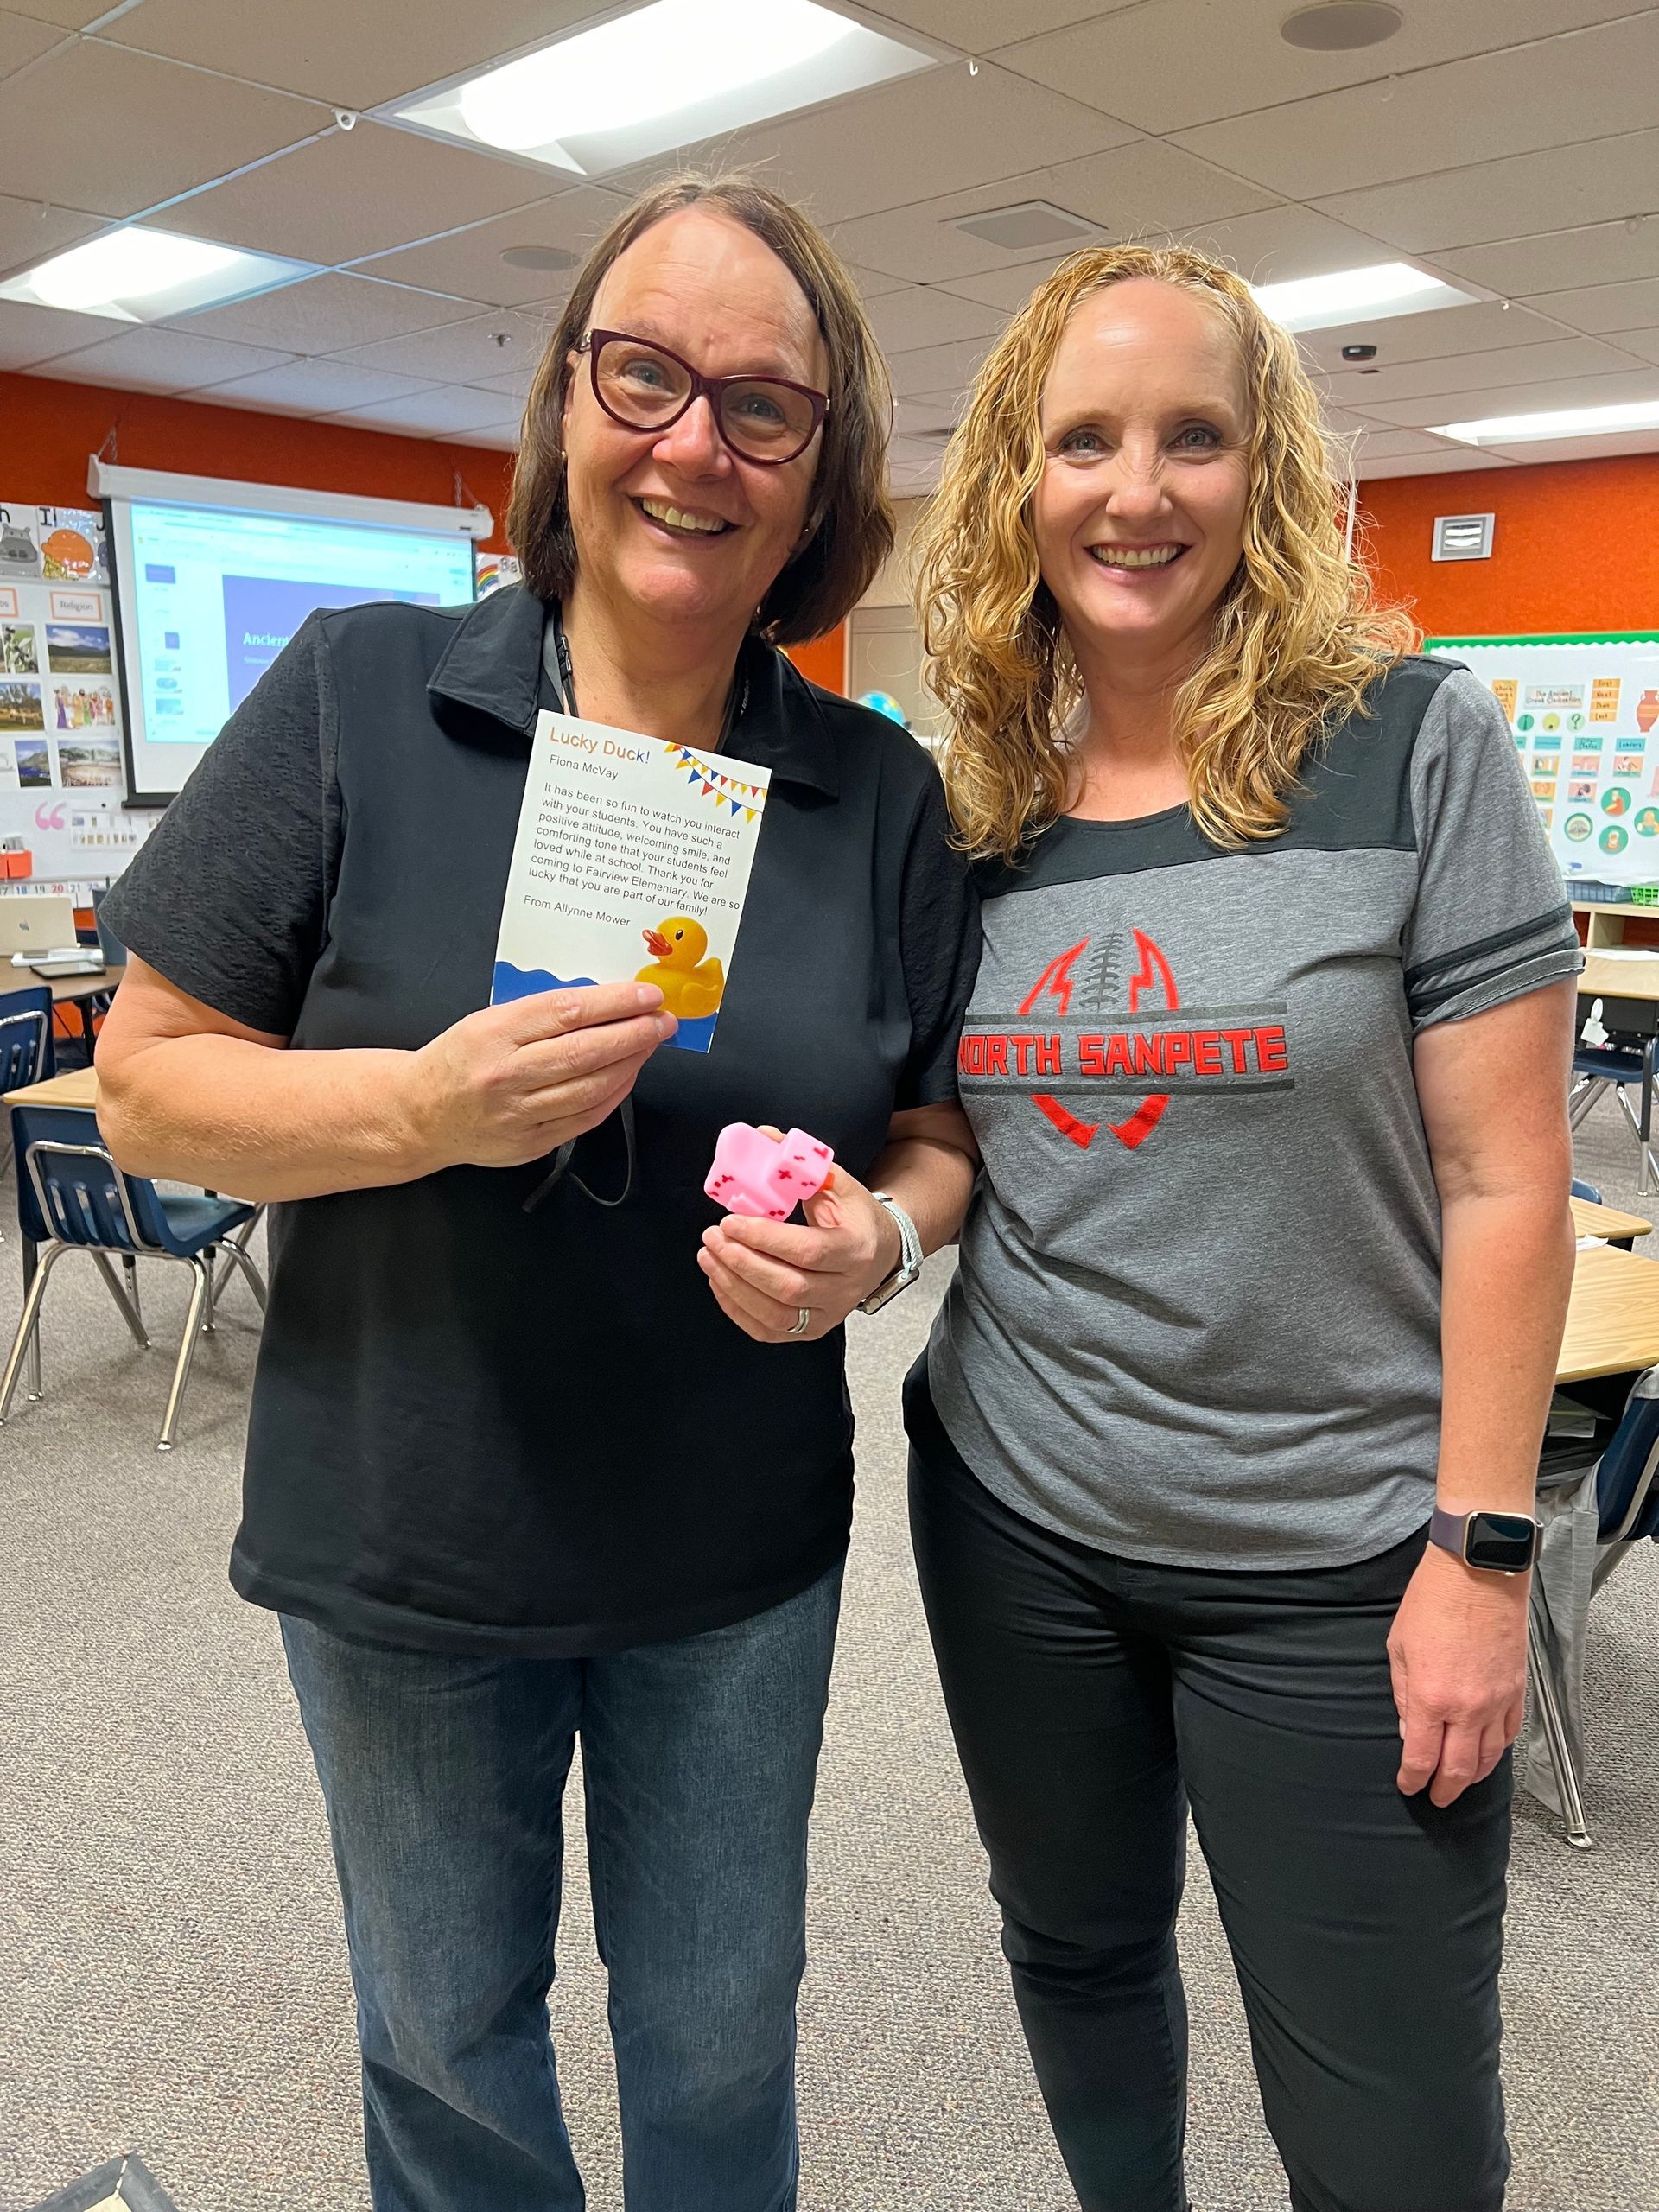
<point x="804" y="1321"/>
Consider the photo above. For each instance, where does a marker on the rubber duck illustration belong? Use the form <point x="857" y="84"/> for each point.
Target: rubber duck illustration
<point x="691" y="986"/>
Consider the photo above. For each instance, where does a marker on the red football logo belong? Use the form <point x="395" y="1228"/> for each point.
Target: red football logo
<point x="1152" y="985"/>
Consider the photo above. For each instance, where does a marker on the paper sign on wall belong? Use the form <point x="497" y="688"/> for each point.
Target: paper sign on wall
<point x="1584" y="710"/>
<point x="632" y="861"/>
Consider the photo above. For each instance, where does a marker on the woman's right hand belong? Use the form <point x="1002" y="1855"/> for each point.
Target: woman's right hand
<point x="512" y="1084"/>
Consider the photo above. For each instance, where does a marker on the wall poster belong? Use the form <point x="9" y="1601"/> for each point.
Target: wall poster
<point x="62" y="786"/>
<point x="1584" y="711"/>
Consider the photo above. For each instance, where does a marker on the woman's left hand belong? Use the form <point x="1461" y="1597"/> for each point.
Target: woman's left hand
<point x="1457" y="1653"/>
<point x="765" y="1274"/>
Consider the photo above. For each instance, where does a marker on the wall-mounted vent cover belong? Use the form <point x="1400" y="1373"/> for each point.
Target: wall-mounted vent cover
<point x="1463" y="538"/>
<point x="1030" y="225"/>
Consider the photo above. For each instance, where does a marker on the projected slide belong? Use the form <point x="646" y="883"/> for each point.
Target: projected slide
<point x="217" y="593"/>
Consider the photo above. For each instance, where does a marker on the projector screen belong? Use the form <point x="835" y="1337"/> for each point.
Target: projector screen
<point x="212" y="579"/>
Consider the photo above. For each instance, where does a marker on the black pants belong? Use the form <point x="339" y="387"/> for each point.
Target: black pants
<point x="1093" y="1699"/>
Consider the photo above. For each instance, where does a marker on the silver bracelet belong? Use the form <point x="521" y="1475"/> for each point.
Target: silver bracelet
<point x="910" y="1257"/>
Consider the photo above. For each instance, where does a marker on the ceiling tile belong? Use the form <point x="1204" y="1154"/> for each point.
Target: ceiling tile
<point x="516" y="385"/>
<point x="23" y="40"/>
<point x="313" y="388"/>
<point x="1536" y="398"/>
<point x="1628" y="441"/>
<point x="70" y="124"/>
<point x="468" y="262"/>
<point x="913" y="416"/>
<point x="919" y="315"/>
<point x="352" y="192"/>
<point x="29" y="232"/>
<point x="1127" y="189"/>
<point x="30" y="333"/>
<point x="1604" y="253"/>
<point x="1642" y="342"/>
<point x="146" y="359"/>
<point x="462" y="352"/>
<point x="1173" y="63"/>
<point x="1604" y="307"/>
<point x="1458" y="373"/>
<point x="327" y="313"/>
<point x="1595" y="83"/>
<point x="1280" y="242"/>
<point x="873" y="286"/>
<point x="1399" y="445"/>
<point x="937" y="368"/>
<point x="352" y="56"/>
<point x="943" y="131"/>
<point x="1444" y="463"/>
<point x="68" y="14"/>
<point x="981" y="26"/>
<point x="1509" y="199"/>
<point x="435" y="414"/>
<point x="1482" y="326"/>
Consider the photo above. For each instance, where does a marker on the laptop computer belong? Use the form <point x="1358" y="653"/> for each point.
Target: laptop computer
<point x="36" y="924"/>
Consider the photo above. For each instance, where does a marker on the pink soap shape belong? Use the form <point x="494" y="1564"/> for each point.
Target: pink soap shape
<point x="756" y="1175"/>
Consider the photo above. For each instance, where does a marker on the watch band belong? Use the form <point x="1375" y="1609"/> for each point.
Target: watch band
<point x="1493" y="1543"/>
<point x="910" y="1257"/>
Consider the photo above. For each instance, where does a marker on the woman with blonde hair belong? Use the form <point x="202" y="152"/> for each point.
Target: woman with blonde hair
<point x="1223" y="1449"/>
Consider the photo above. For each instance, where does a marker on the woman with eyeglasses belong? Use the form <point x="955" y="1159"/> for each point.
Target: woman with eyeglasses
<point x="540" y="1457"/>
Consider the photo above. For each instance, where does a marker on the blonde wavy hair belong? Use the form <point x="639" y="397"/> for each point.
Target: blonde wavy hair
<point x="1299" y="636"/>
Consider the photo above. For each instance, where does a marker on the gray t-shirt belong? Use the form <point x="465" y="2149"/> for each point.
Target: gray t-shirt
<point x="1196" y="1318"/>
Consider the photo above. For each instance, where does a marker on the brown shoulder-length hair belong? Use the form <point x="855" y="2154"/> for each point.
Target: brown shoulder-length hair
<point x="850" y="514"/>
<point x="1300" y="636"/>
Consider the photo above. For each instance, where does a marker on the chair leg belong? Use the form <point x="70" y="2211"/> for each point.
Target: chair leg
<point x="210" y="1261"/>
<point x="1648" y="1174"/>
<point x="237" y="1256"/>
<point x="1554" y="1728"/>
<point x="121" y="1298"/>
<point x="27" y="1327"/>
<point x="241" y="1240"/>
<point x="187" y="1353"/>
<point x="129" y="1270"/>
<point x="1582" y="1098"/>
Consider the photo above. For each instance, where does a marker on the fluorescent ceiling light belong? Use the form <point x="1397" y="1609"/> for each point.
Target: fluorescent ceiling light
<point x="1561" y="423"/>
<point x="138" y="276"/>
<point x="664" y="76"/>
<point x="1322" y="302"/>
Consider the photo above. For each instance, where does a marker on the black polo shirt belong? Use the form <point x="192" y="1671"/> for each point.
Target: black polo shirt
<point x="472" y="1426"/>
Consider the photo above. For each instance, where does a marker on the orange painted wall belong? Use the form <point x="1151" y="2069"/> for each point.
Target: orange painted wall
<point x="824" y="660"/>
<point x="48" y="430"/>
<point x="1575" y="547"/>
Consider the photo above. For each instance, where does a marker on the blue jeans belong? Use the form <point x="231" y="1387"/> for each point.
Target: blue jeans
<point x="444" y="1777"/>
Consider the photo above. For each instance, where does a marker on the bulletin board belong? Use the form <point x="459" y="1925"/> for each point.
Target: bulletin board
<point x="1584" y="711"/>
<point x="61" y="778"/>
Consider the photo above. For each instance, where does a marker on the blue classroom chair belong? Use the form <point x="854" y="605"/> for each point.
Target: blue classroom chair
<point x="71" y="1197"/>
<point x="1627" y="1513"/>
<point x="1621" y="1067"/>
<point x="25" y="1046"/>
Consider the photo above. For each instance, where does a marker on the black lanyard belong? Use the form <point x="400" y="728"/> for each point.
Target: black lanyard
<point x="556" y="660"/>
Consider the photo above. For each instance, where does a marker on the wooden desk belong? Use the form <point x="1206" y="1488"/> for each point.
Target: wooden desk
<point x="80" y="1088"/>
<point x="1607" y="1221"/>
<point x="1613" y="1319"/>
<point x="1621" y="977"/>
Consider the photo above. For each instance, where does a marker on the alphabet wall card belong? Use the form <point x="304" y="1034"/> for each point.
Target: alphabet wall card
<point x="632" y="861"/>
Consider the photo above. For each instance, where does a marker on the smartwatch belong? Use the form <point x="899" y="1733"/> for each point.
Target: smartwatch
<point x="1497" y="1543"/>
<point x="910" y="1257"/>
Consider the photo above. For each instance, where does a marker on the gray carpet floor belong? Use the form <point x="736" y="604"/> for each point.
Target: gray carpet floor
<point x="173" y="1977"/>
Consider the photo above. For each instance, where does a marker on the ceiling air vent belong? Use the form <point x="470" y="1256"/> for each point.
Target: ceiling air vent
<point x="1029" y="226"/>
<point x="1463" y="538"/>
